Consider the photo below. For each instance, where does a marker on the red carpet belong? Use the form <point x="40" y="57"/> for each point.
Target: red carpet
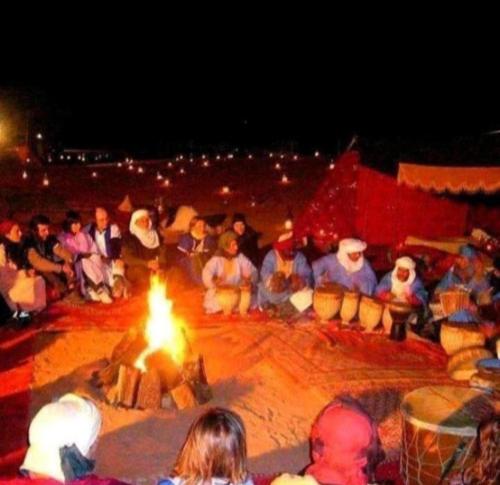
<point x="16" y="368"/>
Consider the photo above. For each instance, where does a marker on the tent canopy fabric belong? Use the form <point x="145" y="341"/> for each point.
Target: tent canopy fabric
<point x="450" y="179"/>
<point x="356" y="201"/>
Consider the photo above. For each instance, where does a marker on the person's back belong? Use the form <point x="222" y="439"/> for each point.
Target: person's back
<point x="62" y="440"/>
<point x="214" y="452"/>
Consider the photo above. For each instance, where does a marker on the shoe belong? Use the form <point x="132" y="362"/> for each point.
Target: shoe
<point x="93" y="295"/>
<point x="104" y="297"/>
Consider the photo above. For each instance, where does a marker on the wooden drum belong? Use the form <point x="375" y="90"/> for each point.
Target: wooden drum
<point x="439" y="422"/>
<point x="458" y="336"/>
<point x="326" y="301"/>
<point x="228" y="297"/>
<point x="349" y="307"/>
<point x="395" y="312"/>
<point x="370" y="312"/>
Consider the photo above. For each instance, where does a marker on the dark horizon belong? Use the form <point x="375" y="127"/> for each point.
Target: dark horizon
<point x="152" y="116"/>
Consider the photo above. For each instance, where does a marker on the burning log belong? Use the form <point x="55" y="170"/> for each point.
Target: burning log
<point x="149" y="392"/>
<point x="128" y="381"/>
<point x="183" y="396"/>
<point x="153" y="366"/>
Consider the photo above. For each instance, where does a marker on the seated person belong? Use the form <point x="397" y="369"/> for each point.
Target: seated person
<point x="345" y="445"/>
<point x="62" y="441"/>
<point x="468" y="274"/>
<point x="348" y="267"/>
<point x="142" y="250"/>
<point x="484" y="469"/>
<point x="494" y="280"/>
<point x="48" y="257"/>
<point x="402" y="284"/>
<point x="285" y="272"/>
<point x="89" y="267"/>
<point x="194" y="250"/>
<point x="108" y="240"/>
<point x="215" y="452"/>
<point x="226" y="267"/>
<point x="248" y="238"/>
<point x="22" y="289"/>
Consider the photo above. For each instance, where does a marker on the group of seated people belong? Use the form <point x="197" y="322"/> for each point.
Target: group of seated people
<point x="94" y="262"/>
<point x="344" y="441"/>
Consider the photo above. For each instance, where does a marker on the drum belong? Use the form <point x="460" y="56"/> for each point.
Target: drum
<point x="453" y="301"/>
<point x="395" y="311"/>
<point x="370" y="312"/>
<point x="439" y="422"/>
<point x="326" y="301"/>
<point x="458" y="336"/>
<point x="349" y="306"/>
<point x="227" y="297"/>
<point x="245" y="299"/>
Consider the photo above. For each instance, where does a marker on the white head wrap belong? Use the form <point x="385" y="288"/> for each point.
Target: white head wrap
<point x="347" y="246"/>
<point x="148" y="237"/>
<point x="70" y="420"/>
<point x="399" y="288"/>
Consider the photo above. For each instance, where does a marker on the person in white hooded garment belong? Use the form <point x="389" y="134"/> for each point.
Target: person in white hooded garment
<point x="143" y="251"/>
<point x="62" y="439"/>
<point x="348" y="267"/>
<point x="402" y="284"/>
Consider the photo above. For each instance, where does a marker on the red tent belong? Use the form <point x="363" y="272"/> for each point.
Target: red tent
<point x="354" y="200"/>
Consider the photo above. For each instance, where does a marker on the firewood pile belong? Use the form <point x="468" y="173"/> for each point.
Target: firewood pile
<point x="163" y="385"/>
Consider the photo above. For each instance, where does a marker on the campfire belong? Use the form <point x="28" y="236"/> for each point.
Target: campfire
<point x="153" y="365"/>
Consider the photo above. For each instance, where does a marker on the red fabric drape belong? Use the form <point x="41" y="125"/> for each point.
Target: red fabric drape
<point x="354" y="200"/>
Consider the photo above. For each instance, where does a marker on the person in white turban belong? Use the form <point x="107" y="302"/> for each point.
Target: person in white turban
<point x="402" y="284"/>
<point x="62" y="438"/>
<point x="143" y="251"/>
<point x="348" y="267"/>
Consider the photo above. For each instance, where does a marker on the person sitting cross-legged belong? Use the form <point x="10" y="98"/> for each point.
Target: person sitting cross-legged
<point x="286" y="279"/>
<point x="227" y="267"/>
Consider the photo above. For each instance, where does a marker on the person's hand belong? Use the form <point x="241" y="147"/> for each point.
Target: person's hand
<point x="67" y="270"/>
<point x="119" y="264"/>
<point x="297" y="283"/>
<point x="153" y="265"/>
<point x="278" y="282"/>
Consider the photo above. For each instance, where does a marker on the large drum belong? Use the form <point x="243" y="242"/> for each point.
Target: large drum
<point x="370" y="312"/>
<point x="453" y="301"/>
<point x="228" y="297"/>
<point x="395" y="312"/>
<point x="327" y="300"/>
<point x="349" y="307"/>
<point x="245" y="299"/>
<point x="439" y="422"/>
<point x="458" y="336"/>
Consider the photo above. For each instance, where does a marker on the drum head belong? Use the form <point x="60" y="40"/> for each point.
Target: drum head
<point x="447" y="409"/>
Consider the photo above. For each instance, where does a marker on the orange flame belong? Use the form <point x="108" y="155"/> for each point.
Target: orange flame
<point x="163" y="330"/>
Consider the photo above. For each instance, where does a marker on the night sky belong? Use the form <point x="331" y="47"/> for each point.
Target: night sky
<point x="267" y="98"/>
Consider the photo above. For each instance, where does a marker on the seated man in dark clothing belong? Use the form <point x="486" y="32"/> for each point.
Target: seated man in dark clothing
<point x="143" y="251"/>
<point x="195" y="248"/>
<point x="47" y="257"/>
<point x="248" y="238"/>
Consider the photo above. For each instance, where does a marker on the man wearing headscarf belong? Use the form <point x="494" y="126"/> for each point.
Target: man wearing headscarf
<point x="467" y="273"/>
<point x="286" y="277"/>
<point x="62" y="439"/>
<point x="195" y="248"/>
<point x="402" y="284"/>
<point x="22" y="289"/>
<point x="142" y="250"/>
<point x="345" y="445"/>
<point x="348" y="267"/>
<point x="226" y="267"/>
